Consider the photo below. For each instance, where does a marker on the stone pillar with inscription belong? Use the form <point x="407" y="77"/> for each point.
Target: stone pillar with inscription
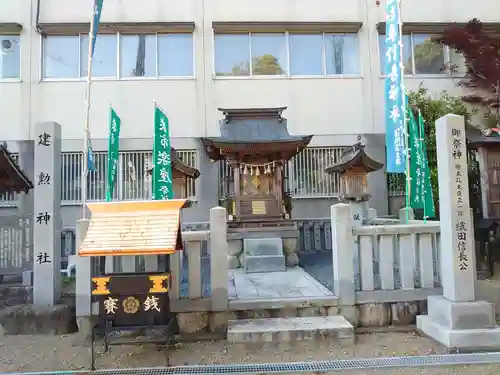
<point x="47" y="215"/>
<point x="455" y="319"/>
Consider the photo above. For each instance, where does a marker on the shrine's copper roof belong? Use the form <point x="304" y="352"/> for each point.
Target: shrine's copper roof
<point x="254" y="130"/>
<point x="12" y="178"/>
<point x="180" y="166"/>
<point x="355" y="156"/>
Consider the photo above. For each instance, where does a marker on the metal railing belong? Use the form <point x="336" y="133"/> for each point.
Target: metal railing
<point x="132" y="183"/>
<point x="305" y="175"/>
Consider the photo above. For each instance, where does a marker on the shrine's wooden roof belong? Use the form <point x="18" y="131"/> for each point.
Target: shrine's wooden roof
<point x="482" y="138"/>
<point x="133" y="228"/>
<point x="254" y="131"/>
<point x="179" y="166"/>
<point x="12" y="178"/>
<point x="355" y="156"/>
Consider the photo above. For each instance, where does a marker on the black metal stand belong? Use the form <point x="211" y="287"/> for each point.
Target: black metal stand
<point x="131" y="302"/>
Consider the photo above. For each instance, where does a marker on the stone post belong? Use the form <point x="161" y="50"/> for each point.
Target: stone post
<point x="26" y="201"/>
<point x="219" y="269"/>
<point x="344" y="217"/>
<point x="455" y="319"/>
<point x="47" y="215"/>
<point x="406" y="213"/>
<point x="83" y="283"/>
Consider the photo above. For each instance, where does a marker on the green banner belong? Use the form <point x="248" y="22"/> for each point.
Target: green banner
<point x="113" y="152"/>
<point x="429" y="210"/>
<point x="417" y="197"/>
<point x="162" y="167"/>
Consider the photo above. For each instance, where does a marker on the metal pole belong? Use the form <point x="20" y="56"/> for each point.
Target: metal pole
<point x="87" y="117"/>
<point x="407" y="133"/>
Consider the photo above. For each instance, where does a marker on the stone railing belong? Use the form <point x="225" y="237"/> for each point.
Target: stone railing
<point x="396" y="262"/>
<point x="383" y="263"/>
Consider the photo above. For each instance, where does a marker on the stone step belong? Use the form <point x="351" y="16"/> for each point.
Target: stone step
<point x="291" y="329"/>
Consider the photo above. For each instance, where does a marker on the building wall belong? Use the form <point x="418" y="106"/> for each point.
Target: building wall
<point x="336" y="109"/>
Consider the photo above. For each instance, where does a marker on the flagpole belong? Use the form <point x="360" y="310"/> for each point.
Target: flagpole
<point x="87" y="116"/>
<point x="405" y="123"/>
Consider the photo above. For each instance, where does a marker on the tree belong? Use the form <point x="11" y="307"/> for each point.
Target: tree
<point x="481" y="51"/>
<point x="262" y="65"/>
<point x="432" y="109"/>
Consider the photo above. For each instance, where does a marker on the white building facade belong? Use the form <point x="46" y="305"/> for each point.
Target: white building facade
<point x="320" y="58"/>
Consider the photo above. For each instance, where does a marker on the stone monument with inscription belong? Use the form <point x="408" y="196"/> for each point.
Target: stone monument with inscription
<point x="47" y="215"/>
<point x="456" y="319"/>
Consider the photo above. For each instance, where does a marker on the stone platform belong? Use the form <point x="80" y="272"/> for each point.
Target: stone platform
<point x="335" y="328"/>
<point x="275" y="290"/>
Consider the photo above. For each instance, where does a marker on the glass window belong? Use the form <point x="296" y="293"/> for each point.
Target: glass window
<point x="232" y="54"/>
<point x="104" y="60"/>
<point x="342" y="54"/>
<point x="10" y="56"/>
<point x="137" y="55"/>
<point x="407" y="54"/>
<point x="269" y="54"/>
<point x="175" y="55"/>
<point x="429" y="56"/>
<point x="306" y="54"/>
<point x="60" y="56"/>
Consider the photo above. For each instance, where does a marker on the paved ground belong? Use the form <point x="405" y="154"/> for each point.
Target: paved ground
<point x="39" y="353"/>
<point x="294" y="283"/>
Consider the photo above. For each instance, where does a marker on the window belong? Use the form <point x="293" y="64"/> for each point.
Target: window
<point x="137" y="55"/>
<point x="10" y="57"/>
<point x="104" y="59"/>
<point x="268" y="54"/>
<point x="421" y="55"/>
<point x="119" y="56"/>
<point x="175" y="55"/>
<point x="306" y="54"/>
<point x="286" y="54"/>
<point x="61" y="57"/>
<point x="341" y="54"/>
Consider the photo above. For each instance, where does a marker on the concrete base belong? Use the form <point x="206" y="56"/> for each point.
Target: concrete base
<point x="263" y="255"/>
<point x="291" y="329"/>
<point x="460" y="325"/>
<point x="267" y="263"/>
<point x="31" y="319"/>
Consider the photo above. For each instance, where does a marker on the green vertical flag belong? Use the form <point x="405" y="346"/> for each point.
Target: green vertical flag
<point x="162" y="167"/>
<point x="417" y="197"/>
<point x="429" y="210"/>
<point x="113" y="150"/>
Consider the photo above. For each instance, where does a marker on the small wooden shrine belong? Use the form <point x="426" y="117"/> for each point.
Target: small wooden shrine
<point x="12" y="178"/>
<point x="353" y="168"/>
<point x="256" y="144"/>
<point x="181" y="174"/>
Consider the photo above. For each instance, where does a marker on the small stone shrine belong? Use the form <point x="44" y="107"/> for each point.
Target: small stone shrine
<point x="353" y="168"/>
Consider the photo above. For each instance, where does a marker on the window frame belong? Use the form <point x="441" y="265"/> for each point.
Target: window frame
<point x="118" y="76"/>
<point x="18" y="79"/>
<point x="446" y="55"/>
<point x="288" y="74"/>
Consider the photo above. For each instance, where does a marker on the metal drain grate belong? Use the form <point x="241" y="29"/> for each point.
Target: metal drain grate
<point x="297" y="367"/>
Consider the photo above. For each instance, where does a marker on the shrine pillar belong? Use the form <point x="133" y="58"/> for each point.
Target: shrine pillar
<point x="456" y="319"/>
<point x="47" y="215"/>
